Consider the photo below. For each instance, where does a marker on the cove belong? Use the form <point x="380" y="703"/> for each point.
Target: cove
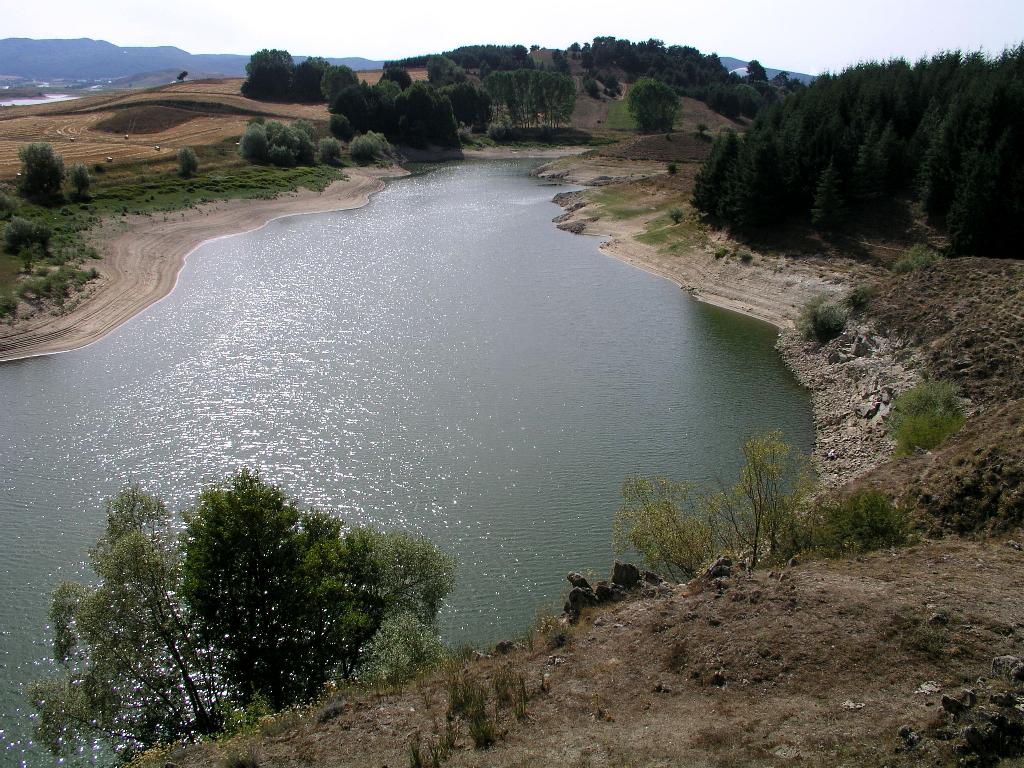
<point x="443" y="361"/>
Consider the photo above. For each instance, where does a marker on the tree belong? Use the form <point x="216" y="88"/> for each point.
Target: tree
<point x="341" y="128"/>
<point x="22" y="233"/>
<point x="181" y="76"/>
<point x="756" y="73"/>
<point x="188" y="163"/>
<point x="42" y="172"/>
<point x="336" y="79"/>
<point x="330" y="151"/>
<point x="829" y="208"/>
<point x="253" y="145"/>
<point x="269" y="75"/>
<point x="397" y="75"/>
<point x="131" y="669"/>
<point x="653" y="105"/>
<point x="443" y="71"/>
<point x="80" y="180"/>
<point x="307" y="80"/>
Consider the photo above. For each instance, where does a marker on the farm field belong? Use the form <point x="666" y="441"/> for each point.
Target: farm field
<point x="129" y="127"/>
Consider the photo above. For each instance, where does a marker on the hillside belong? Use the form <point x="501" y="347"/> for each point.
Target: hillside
<point x="87" y="59"/>
<point x="823" y="664"/>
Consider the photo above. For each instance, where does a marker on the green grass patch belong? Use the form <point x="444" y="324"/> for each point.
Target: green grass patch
<point x="619" y="118"/>
<point x="667" y="235"/>
<point x="620" y="203"/>
<point x="926" y="415"/>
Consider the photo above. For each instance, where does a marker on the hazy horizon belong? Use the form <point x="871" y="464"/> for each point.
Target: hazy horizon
<point x="791" y="34"/>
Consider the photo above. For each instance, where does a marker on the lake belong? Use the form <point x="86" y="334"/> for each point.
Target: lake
<point x="443" y="361"/>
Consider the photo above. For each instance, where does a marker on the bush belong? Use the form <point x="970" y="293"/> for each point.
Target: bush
<point x="591" y="88"/>
<point x="859" y="297"/>
<point x="672" y="169"/>
<point x="916" y="257"/>
<point x="368" y="147"/>
<point x="676" y="214"/>
<point x="188" y="163"/>
<point x="499" y="131"/>
<point x="8" y="206"/>
<point x="42" y="171"/>
<point x="254" y="146"/>
<point x="821" y="319"/>
<point x="330" y="152"/>
<point x="80" y="180"/>
<point x="8" y="304"/>
<point x="861" y="522"/>
<point x="924" y="416"/>
<point x="341" y="128"/>
<point x="22" y="233"/>
<point x="402" y="648"/>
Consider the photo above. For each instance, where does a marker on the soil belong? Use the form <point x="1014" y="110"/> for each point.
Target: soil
<point x="822" y="664"/>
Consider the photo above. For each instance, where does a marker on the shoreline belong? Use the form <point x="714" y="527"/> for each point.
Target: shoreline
<point x="143" y="256"/>
<point x="851" y="380"/>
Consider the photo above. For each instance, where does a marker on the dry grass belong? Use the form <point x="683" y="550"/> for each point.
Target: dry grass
<point x="763" y="671"/>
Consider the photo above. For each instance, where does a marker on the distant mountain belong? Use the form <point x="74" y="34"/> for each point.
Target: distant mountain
<point x="86" y="59"/>
<point x="732" y="64"/>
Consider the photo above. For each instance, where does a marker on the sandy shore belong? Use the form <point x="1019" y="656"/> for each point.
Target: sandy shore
<point x="142" y="256"/>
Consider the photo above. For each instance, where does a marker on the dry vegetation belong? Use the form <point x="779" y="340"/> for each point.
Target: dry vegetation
<point x="818" y="667"/>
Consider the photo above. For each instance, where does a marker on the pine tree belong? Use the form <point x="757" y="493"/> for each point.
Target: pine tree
<point x="829" y="208"/>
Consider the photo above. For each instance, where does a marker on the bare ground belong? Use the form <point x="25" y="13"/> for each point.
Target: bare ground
<point x="819" y="666"/>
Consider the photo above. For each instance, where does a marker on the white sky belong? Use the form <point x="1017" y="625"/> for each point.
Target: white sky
<point x="797" y="35"/>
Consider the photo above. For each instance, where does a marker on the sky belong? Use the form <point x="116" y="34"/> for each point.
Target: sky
<point x="796" y="35"/>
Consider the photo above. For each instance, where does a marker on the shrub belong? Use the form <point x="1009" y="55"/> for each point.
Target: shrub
<point x="821" y="319"/>
<point x="859" y="297"/>
<point x="8" y="206"/>
<point x="676" y="214"/>
<point x="402" y="648"/>
<point x="188" y="163"/>
<point x="8" y="304"/>
<point x="42" y="171"/>
<point x="860" y="522"/>
<point x="499" y="131"/>
<point x="330" y="152"/>
<point x="341" y="128"/>
<point x="368" y="147"/>
<point x="591" y="88"/>
<point x="80" y="180"/>
<point x="916" y="257"/>
<point x="254" y="146"/>
<point x="924" y="416"/>
<point x="672" y="169"/>
<point x="702" y="128"/>
<point x="22" y="233"/>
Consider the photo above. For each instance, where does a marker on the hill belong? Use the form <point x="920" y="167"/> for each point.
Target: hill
<point x="87" y="59"/>
<point x="731" y="64"/>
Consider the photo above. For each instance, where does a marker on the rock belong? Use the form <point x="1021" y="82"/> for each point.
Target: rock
<point x="603" y="592"/>
<point x="927" y="688"/>
<point x="652" y="578"/>
<point x="720" y="569"/>
<point x="575" y="227"/>
<point x="579" y="599"/>
<point x="717" y="678"/>
<point x="1015" y="545"/>
<point x="1010" y="667"/>
<point x="625" y="575"/>
<point x="867" y="410"/>
<point x="938" y="620"/>
<point x="953" y="706"/>
<point x="1005" y="699"/>
<point x="577" y="580"/>
<point x="504" y="647"/>
<point x="662" y="688"/>
<point x="909" y="735"/>
<point x="860" y="347"/>
<point x="851" y="704"/>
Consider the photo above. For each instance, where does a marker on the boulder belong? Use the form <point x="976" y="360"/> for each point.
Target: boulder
<point x="577" y="580"/>
<point x="625" y="575"/>
<point x="604" y="592"/>
<point x="720" y="569"/>
<point x="1010" y="667"/>
<point x="579" y="599"/>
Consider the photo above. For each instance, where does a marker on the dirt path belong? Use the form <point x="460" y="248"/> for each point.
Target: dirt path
<point x="142" y="256"/>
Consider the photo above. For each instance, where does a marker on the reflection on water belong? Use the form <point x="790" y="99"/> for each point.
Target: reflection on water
<point x="443" y="361"/>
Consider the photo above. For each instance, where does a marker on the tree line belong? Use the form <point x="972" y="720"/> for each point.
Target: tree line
<point x="255" y="603"/>
<point x="947" y="130"/>
<point x="527" y="98"/>
<point x="272" y="75"/>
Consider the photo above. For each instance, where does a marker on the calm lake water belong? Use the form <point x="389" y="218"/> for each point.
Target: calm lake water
<point x="443" y="361"/>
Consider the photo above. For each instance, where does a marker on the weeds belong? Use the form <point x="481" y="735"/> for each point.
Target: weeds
<point x="926" y="415"/>
<point x="916" y="257"/>
<point x="821" y="319"/>
<point x="861" y="522"/>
